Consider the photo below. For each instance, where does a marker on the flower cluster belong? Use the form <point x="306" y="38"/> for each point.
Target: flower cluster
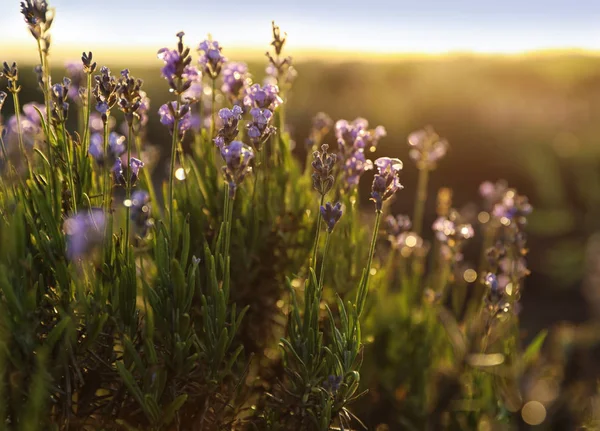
<point x="280" y="70"/>
<point x="512" y="208"/>
<point x="386" y="181"/>
<point x="321" y="125"/>
<point x="169" y="115"/>
<point x="177" y="70"/>
<point x="140" y="212"/>
<point x="236" y="80"/>
<point x="116" y="148"/>
<point x="426" y="148"/>
<point x="105" y="92"/>
<point x="31" y="125"/>
<point x="11" y="73"/>
<point x="331" y="214"/>
<point x="237" y="157"/>
<point x="60" y="106"/>
<point x="451" y="231"/>
<point x="84" y="232"/>
<point x="76" y="73"/>
<point x="323" y="165"/>
<point x="229" y="125"/>
<point x="39" y="20"/>
<point x="266" y="97"/>
<point x="356" y="136"/>
<point x="129" y="96"/>
<point x="134" y="169"/>
<point x="259" y="129"/>
<point x="211" y="59"/>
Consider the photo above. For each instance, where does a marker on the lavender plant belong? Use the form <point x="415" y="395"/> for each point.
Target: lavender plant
<point x="230" y="298"/>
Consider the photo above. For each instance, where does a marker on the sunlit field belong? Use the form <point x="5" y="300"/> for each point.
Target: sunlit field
<point x="212" y="239"/>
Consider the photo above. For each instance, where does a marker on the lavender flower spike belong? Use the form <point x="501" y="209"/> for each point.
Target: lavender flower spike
<point x="84" y="232"/>
<point x="211" y="60"/>
<point x="331" y="215"/>
<point x="266" y="97"/>
<point x="259" y="129"/>
<point x="235" y="81"/>
<point x="167" y="117"/>
<point x="229" y="130"/>
<point x="386" y="182"/>
<point x="237" y="157"/>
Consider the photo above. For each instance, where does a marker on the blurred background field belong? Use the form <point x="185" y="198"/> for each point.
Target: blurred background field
<point x="532" y="119"/>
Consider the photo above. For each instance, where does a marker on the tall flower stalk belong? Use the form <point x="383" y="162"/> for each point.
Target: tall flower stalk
<point x="12" y="74"/>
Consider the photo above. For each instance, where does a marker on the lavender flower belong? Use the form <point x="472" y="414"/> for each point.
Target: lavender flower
<point x="397" y="225"/>
<point x="266" y="97"/>
<point x="333" y="383"/>
<point x="168" y="114"/>
<point x="134" y="168"/>
<point x="129" y="96"/>
<point x="357" y="136"/>
<point x="237" y="157"/>
<point x="280" y="70"/>
<point x="89" y="66"/>
<point x="177" y="70"/>
<point x="84" y="231"/>
<point x="495" y="291"/>
<point x="97" y="124"/>
<point x="353" y="168"/>
<point x="77" y="75"/>
<point x="105" y="92"/>
<point x="235" y="81"/>
<point x="116" y="148"/>
<point x="140" y="212"/>
<point x="229" y="129"/>
<point x="512" y="207"/>
<point x="426" y="148"/>
<point x="331" y="214"/>
<point x="211" y="60"/>
<point x="143" y="108"/>
<point x="259" y="129"/>
<point x="39" y="20"/>
<point x="449" y="230"/>
<point x="60" y="106"/>
<point x="321" y="125"/>
<point x="386" y="182"/>
<point x="323" y="164"/>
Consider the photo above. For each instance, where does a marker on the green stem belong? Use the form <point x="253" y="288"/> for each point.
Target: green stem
<point x="106" y="172"/>
<point x="172" y="171"/>
<point x="362" y="294"/>
<point x="88" y="108"/>
<point x="313" y="262"/>
<point x="420" y="200"/>
<point x="322" y="274"/>
<point x="69" y="153"/>
<point x="229" y="219"/>
<point x="213" y="124"/>
<point x="19" y="130"/>
<point x="128" y="191"/>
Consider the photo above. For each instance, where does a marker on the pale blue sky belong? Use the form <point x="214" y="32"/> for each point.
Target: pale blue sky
<point x="436" y="26"/>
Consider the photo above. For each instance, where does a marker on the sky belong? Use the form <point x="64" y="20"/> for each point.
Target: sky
<point x="375" y="26"/>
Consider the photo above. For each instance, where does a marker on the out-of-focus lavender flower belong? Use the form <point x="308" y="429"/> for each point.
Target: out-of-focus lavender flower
<point x="105" y="92"/>
<point x="495" y="292"/>
<point x="116" y="148"/>
<point x="397" y="225"/>
<point x="259" y="129"/>
<point x="280" y="70"/>
<point x="60" y="106"/>
<point x="84" y="232"/>
<point x="237" y="157"/>
<point x="235" y="81"/>
<point x="426" y="148"/>
<point x="323" y="164"/>
<point x="354" y="166"/>
<point x="514" y="268"/>
<point x="211" y="60"/>
<point x="177" y="70"/>
<point x="143" y="109"/>
<point x="31" y="126"/>
<point x="386" y="181"/>
<point x="492" y="193"/>
<point x="333" y="383"/>
<point x="266" y="97"/>
<point x="134" y="167"/>
<point x="78" y="78"/>
<point x="331" y="214"/>
<point x="229" y="125"/>
<point x="140" y="212"/>
<point x="406" y="242"/>
<point x="321" y="125"/>
<point x="38" y="17"/>
<point x="195" y="92"/>
<point x="97" y="125"/>
<point x="168" y="114"/>
<point x="512" y="207"/>
<point x="357" y="136"/>
<point x="450" y="230"/>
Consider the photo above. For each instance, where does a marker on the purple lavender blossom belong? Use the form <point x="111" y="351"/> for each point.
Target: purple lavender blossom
<point x="266" y="97"/>
<point x="397" y="225"/>
<point x="84" y="232"/>
<point x="229" y="125"/>
<point x="117" y="171"/>
<point x="492" y="193"/>
<point x="357" y="136"/>
<point x="116" y="148"/>
<point x="259" y="129"/>
<point x="140" y="212"/>
<point x="78" y="78"/>
<point x="211" y="60"/>
<point x="235" y="81"/>
<point x="331" y="214"/>
<point x="237" y="157"/>
<point x="513" y="207"/>
<point x="167" y="117"/>
<point x="31" y="126"/>
<point x="449" y="230"/>
<point x="177" y="68"/>
<point x="322" y="165"/>
<point x="354" y="166"/>
<point x="386" y="181"/>
<point x="426" y="148"/>
<point x="134" y="167"/>
<point x="97" y="125"/>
